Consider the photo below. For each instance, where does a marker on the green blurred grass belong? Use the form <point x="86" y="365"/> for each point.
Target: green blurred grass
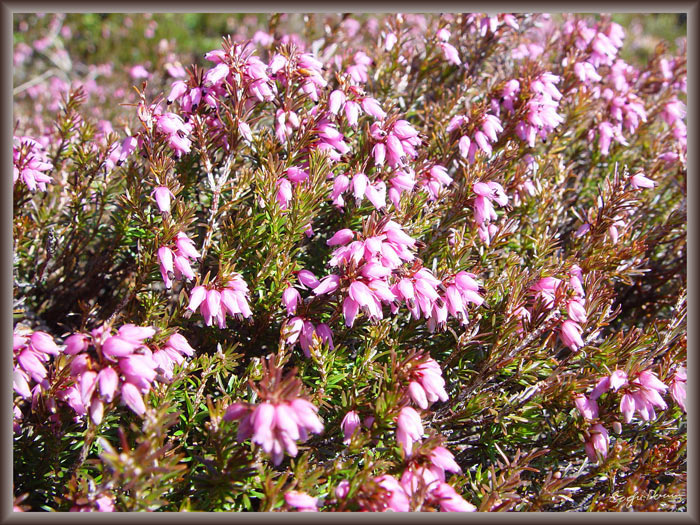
<point x="646" y="31"/>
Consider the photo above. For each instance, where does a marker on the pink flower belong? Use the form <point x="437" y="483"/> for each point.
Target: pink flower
<point x="570" y="334"/>
<point x="335" y="101"/>
<point x="372" y="107"/>
<point x="138" y="71"/>
<point x="115" y="346"/>
<point x="443" y="460"/>
<point x="627" y="407"/>
<point x="307" y="279"/>
<point x="450" y="501"/>
<point x="450" y="52"/>
<point x="75" y="344"/>
<point x="409" y="429"/>
<point x="597" y="443"/>
<point x="397" y="500"/>
<point x="327" y="285"/>
<point x="284" y="193"/>
<point x="638" y="180"/>
<point x="341" y="237"/>
<point x="108" y="381"/>
<point x="350" y="423"/>
<point x="197" y="296"/>
<point x="428" y="386"/>
<point x="104" y="503"/>
<point x="649" y="381"/>
<point x="587" y="407"/>
<point x="276" y="426"/>
<point x="342" y="490"/>
<point x="30" y="161"/>
<point x="582" y="230"/>
<point x="177" y="89"/>
<point x="215" y="303"/>
<point x="290" y="299"/>
<point x="576" y="310"/>
<point x="162" y="195"/>
<point x="301" y="501"/>
<point x="618" y="379"/>
<point x="600" y="388"/>
<point x="133" y="399"/>
<point x="678" y="392"/>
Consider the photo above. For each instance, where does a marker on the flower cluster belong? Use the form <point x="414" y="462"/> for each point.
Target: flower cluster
<point x="421" y="486"/>
<point x="108" y="366"/>
<point x="426" y="384"/>
<point x="375" y="275"/>
<point x="175" y="259"/>
<point x="484" y="212"/>
<point x="31" y="350"/>
<point x="546" y="290"/>
<point x="281" y="418"/>
<point x="640" y="394"/>
<point x="30" y="163"/>
<point x="214" y="301"/>
<point x="175" y="129"/>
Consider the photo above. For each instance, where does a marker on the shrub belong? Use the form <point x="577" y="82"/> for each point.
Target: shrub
<point x="397" y="263"/>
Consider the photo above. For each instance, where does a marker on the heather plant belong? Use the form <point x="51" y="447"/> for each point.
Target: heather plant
<point x="348" y="263"/>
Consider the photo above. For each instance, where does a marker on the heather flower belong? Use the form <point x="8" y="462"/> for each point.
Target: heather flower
<point x="30" y="162"/>
<point x="627" y="407"/>
<point x="396" y="499"/>
<point x="677" y="390"/>
<point x="215" y="302"/>
<point x="176" y="131"/>
<point x="484" y="212"/>
<point x="162" y="195"/>
<point x="450" y="501"/>
<point x="597" y="443"/>
<point x="341" y="237"/>
<point x="284" y="193"/>
<point x="570" y="334"/>
<point x="294" y="327"/>
<point x="102" y="503"/>
<point x="545" y="289"/>
<point x="576" y="310"/>
<point x="409" y="429"/>
<point x="586" y="406"/>
<point x="601" y="387"/>
<point x="343" y="489"/>
<point x="290" y="299"/>
<point x="582" y="230"/>
<point x="450" y="52"/>
<point x="336" y="100"/>
<point x="638" y="181"/>
<point x="276" y="426"/>
<point x="350" y="423"/>
<point x="427" y="385"/>
<point x="435" y="179"/>
<point x="576" y="284"/>
<point x="301" y="501"/>
<point x="618" y="379"/>
<point x="459" y="292"/>
<point x="30" y="354"/>
<point x="307" y="279"/>
<point x="171" y="354"/>
<point x="124" y="367"/>
<point x="443" y="460"/>
<point x="371" y="107"/>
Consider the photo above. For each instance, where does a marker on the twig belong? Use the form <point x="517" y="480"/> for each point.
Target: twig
<point x="37" y="80"/>
<point x="215" y="185"/>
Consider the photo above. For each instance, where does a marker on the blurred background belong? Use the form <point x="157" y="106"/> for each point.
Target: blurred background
<point x="94" y="38"/>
